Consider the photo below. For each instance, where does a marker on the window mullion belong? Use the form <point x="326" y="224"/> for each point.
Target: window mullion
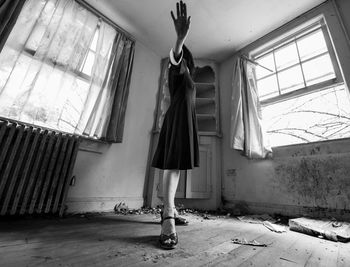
<point x="274" y="62"/>
<point x="301" y="65"/>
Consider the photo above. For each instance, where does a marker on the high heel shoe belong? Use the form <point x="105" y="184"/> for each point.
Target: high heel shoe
<point x="168" y="241"/>
<point x="178" y="220"/>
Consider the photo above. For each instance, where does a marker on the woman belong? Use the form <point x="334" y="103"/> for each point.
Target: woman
<point x="178" y="140"/>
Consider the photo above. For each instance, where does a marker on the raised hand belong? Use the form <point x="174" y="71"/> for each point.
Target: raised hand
<point x="181" y="23"/>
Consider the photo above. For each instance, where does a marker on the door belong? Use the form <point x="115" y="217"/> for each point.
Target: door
<point x="198" y="180"/>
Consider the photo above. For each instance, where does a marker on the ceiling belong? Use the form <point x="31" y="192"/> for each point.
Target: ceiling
<point x="218" y="27"/>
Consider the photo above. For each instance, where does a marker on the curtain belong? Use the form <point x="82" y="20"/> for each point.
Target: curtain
<point x="9" y="11"/>
<point x="121" y="81"/>
<point x="247" y="132"/>
<point x="64" y="68"/>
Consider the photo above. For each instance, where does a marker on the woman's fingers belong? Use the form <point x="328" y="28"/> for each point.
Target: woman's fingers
<point x="181" y="11"/>
<point x="177" y="10"/>
<point x="185" y="10"/>
<point x="172" y="15"/>
<point x="182" y="8"/>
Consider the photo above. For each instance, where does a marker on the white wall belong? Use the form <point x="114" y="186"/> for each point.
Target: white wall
<point x="303" y="179"/>
<point x="344" y="9"/>
<point x="113" y="173"/>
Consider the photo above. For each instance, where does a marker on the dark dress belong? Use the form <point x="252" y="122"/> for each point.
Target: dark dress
<point x="178" y="140"/>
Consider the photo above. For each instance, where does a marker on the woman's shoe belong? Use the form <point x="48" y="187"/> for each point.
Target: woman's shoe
<point x="178" y="220"/>
<point x="168" y="241"/>
<point x="181" y="221"/>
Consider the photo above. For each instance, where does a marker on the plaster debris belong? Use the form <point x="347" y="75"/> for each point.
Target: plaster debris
<point x="274" y="227"/>
<point x="121" y="207"/>
<point x="266" y="220"/>
<point x="259" y="219"/>
<point x="327" y="229"/>
<point x="248" y="243"/>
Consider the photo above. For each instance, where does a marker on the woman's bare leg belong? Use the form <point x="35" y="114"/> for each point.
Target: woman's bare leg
<point x="170" y="180"/>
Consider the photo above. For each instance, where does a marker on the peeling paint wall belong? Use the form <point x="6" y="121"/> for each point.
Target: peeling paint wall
<point x="315" y="179"/>
<point x="307" y="179"/>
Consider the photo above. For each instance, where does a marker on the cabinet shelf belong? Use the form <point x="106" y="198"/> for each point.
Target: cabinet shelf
<point x="206" y="116"/>
<point x="205" y="105"/>
<point x="205" y="90"/>
<point x="201" y="84"/>
<point x="204" y="75"/>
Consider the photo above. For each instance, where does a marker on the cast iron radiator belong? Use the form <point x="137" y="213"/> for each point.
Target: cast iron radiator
<point x="35" y="169"/>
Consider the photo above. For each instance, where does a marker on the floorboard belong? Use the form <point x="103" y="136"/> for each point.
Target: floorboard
<point x="132" y="240"/>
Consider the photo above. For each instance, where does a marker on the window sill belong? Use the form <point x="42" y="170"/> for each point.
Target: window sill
<point x="321" y="148"/>
<point x="93" y="145"/>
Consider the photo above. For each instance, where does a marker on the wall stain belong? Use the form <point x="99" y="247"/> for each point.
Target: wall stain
<point x="319" y="181"/>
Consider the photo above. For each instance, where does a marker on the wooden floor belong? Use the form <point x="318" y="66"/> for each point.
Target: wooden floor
<point x="119" y="240"/>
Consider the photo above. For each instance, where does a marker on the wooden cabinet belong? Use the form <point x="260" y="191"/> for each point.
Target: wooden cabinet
<point x="207" y="97"/>
<point x="202" y="184"/>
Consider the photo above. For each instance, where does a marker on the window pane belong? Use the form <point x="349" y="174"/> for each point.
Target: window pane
<point x="35" y="38"/>
<point x="322" y="115"/>
<point x="318" y="70"/>
<point x="89" y="63"/>
<point x="286" y="56"/>
<point x="267" y="87"/>
<point x="312" y="45"/>
<point x="266" y="61"/>
<point x="93" y="45"/>
<point x="290" y="79"/>
<point x="41" y="25"/>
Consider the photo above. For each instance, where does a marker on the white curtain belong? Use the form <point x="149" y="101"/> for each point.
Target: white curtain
<point x="56" y="68"/>
<point x="247" y="133"/>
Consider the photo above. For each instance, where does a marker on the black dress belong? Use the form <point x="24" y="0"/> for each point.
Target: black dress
<point x="178" y="140"/>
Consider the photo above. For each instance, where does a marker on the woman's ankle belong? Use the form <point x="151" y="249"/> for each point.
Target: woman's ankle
<point x="169" y="211"/>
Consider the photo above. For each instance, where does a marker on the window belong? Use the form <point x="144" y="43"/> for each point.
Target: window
<point x="302" y="95"/>
<point x="61" y="66"/>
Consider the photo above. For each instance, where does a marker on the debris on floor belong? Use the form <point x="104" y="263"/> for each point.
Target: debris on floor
<point x="121" y="207"/>
<point x="328" y="229"/>
<point x="248" y="243"/>
<point x="259" y="218"/>
<point x="285" y="259"/>
<point x="274" y="227"/>
<point x="264" y="219"/>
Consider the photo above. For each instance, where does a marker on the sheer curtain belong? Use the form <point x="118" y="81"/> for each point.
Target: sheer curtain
<point x="247" y="133"/>
<point x="61" y="68"/>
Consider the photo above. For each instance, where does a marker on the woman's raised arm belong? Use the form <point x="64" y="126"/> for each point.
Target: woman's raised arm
<point x="182" y="26"/>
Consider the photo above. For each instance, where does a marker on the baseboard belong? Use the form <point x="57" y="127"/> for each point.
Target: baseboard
<point x="243" y="207"/>
<point x="100" y="204"/>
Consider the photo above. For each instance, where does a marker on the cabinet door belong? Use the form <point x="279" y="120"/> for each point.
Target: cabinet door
<point x="181" y="187"/>
<point x="198" y="180"/>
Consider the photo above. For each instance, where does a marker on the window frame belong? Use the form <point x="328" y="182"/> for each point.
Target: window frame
<point x="90" y="142"/>
<point x="289" y="38"/>
<point x="328" y="10"/>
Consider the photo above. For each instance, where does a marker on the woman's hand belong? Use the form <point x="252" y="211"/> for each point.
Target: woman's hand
<point x="182" y="25"/>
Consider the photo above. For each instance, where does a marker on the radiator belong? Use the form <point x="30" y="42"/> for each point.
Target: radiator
<point x="35" y="169"/>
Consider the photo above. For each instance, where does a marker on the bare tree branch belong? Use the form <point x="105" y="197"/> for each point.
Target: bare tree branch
<point x="318" y="112"/>
<point x="297" y="129"/>
<point x="346" y="126"/>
